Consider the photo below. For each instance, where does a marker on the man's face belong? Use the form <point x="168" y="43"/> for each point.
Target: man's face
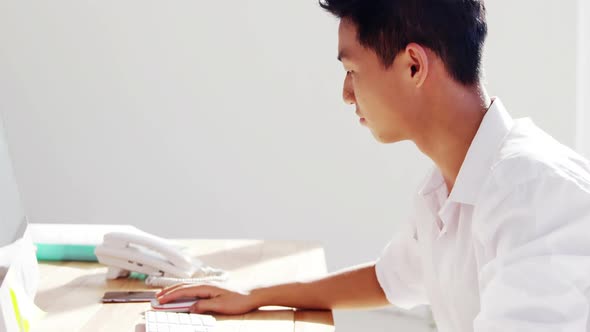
<point x="381" y="95"/>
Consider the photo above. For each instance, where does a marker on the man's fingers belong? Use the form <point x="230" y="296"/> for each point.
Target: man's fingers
<point x="203" y="306"/>
<point x="169" y="289"/>
<point x="187" y="291"/>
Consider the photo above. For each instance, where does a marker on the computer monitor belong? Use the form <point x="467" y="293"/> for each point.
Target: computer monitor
<point x="12" y="216"/>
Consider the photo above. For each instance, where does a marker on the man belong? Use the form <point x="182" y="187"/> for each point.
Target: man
<point x="500" y="236"/>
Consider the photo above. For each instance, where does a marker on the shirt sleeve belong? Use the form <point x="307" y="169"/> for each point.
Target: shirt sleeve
<point x="537" y="239"/>
<point x="399" y="270"/>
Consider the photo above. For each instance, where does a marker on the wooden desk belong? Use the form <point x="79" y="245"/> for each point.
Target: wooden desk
<point x="70" y="292"/>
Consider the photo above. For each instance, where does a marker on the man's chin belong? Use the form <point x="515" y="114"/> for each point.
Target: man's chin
<point x="387" y="139"/>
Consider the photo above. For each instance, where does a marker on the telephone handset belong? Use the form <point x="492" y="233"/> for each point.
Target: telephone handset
<point x="144" y="253"/>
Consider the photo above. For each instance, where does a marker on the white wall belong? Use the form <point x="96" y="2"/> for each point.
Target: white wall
<point x="530" y="61"/>
<point x="188" y="119"/>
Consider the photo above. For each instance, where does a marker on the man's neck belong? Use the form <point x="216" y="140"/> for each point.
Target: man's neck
<point x="453" y="124"/>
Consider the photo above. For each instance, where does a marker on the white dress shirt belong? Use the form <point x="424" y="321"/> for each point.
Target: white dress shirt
<point x="509" y="248"/>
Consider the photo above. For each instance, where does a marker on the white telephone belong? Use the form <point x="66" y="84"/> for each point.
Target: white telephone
<point x="154" y="256"/>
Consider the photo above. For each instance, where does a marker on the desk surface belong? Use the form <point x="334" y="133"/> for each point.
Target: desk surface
<point x="70" y="292"/>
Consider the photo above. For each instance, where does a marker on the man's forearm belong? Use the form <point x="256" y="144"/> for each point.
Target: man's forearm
<point x="353" y="288"/>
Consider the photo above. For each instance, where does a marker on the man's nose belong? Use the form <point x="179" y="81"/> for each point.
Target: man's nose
<point x="347" y="91"/>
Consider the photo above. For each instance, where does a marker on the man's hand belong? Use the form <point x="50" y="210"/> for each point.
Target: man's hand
<point x="355" y="287"/>
<point x="212" y="299"/>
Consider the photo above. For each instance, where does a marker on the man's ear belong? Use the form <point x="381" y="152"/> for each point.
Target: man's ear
<point x="417" y="65"/>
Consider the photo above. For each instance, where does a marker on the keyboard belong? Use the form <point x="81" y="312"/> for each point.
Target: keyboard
<point x="166" y="321"/>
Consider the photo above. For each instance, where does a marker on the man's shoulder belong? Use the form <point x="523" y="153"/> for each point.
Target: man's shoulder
<point x="528" y="155"/>
<point x="537" y="187"/>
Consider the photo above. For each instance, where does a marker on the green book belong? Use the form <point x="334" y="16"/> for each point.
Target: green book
<point x="65" y="252"/>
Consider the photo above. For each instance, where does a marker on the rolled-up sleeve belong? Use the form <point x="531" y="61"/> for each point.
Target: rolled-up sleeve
<point x="399" y="270"/>
<point x="538" y="275"/>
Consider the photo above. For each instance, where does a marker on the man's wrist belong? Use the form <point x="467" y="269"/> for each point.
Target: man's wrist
<point x="258" y="297"/>
<point x="271" y="295"/>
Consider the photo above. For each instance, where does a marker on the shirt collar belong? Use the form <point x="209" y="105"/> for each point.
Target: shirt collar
<point x="476" y="167"/>
<point x="478" y="162"/>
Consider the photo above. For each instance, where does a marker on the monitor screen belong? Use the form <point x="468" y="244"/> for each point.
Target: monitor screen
<point x="12" y="216"/>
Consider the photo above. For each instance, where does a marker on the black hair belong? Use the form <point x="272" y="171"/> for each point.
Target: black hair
<point x="455" y="30"/>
